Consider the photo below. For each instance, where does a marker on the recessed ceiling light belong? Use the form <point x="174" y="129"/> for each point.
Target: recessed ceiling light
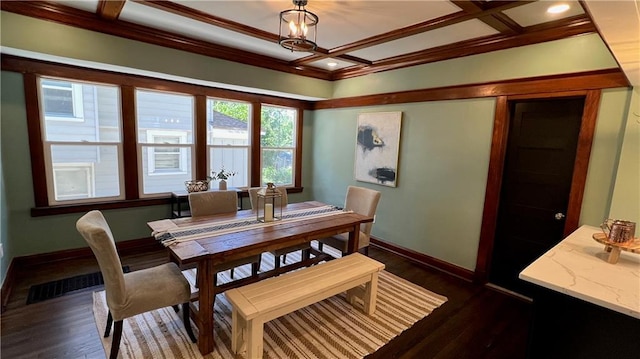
<point x="332" y="64"/>
<point x="557" y="9"/>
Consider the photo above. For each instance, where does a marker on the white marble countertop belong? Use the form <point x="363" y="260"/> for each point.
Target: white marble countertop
<point x="577" y="266"/>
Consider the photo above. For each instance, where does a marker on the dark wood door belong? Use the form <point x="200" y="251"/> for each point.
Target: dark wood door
<point x="536" y="183"/>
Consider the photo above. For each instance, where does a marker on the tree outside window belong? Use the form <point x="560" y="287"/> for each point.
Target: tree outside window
<point x="277" y="142"/>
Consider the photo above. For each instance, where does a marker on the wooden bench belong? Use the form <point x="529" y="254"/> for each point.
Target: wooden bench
<point x="260" y="302"/>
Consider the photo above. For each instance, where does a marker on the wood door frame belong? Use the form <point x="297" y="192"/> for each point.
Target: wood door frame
<point x="496" y="167"/>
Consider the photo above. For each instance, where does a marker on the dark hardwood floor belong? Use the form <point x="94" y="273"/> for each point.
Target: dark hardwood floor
<point x="475" y="322"/>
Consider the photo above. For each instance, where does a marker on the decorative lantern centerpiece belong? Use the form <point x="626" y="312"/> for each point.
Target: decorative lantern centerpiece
<point x="269" y="204"/>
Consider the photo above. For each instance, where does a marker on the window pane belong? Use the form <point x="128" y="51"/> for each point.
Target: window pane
<point x="277" y="167"/>
<point x="278" y="127"/>
<point x="233" y="160"/>
<point x="85" y="171"/>
<point x="80" y="112"/>
<point x="166" y="173"/>
<point x="228" y="123"/>
<point x="58" y="101"/>
<point x="166" y="112"/>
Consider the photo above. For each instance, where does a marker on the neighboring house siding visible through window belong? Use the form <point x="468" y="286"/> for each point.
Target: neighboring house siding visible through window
<point x="165" y="123"/>
<point x="82" y="141"/>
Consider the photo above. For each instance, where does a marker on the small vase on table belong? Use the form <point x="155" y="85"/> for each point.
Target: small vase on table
<point x="222" y="185"/>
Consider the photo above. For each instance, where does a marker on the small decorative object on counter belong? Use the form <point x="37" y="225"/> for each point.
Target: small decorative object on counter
<point x="269" y="205"/>
<point x="197" y="185"/>
<point x="223" y="175"/>
<point x="618" y="231"/>
<point x="617" y="236"/>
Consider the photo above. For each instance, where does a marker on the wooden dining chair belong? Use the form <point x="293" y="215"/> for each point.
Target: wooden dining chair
<point x="360" y="200"/>
<point x="220" y="202"/>
<point x="130" y="294"/>
<point x="280" y="253"/>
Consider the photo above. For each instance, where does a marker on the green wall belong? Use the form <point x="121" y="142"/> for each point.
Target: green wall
<point x="436" y="208"/>
<point x="444" y="156"/>
<point x="625" y="201"/>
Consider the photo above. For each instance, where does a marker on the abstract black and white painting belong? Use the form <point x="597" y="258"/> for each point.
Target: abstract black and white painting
<point x="377" y="146"/>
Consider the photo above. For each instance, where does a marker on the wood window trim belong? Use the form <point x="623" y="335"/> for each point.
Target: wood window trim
<point x="32" y="69"/>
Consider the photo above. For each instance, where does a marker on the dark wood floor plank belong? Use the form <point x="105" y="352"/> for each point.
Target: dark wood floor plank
<point x="475" y="322"/>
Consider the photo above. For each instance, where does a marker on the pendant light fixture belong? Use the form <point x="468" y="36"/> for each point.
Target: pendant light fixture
<point x="298" y="28"/>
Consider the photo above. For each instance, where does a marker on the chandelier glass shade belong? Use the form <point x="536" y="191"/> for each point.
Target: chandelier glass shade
<point x="298" y="28"/>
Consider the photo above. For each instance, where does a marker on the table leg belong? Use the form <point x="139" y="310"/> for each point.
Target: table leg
<point x="354" y="236"/>
<point x="207" y="296"/>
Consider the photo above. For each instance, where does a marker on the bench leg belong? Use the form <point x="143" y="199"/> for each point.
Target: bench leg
<point x="255" y="338"/>
<point x="351" y="296"/>
<point x="238" y="330"/>
<point x="371" y="294"/>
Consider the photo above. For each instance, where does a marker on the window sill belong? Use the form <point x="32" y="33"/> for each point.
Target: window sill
<point x="86" y="207"/>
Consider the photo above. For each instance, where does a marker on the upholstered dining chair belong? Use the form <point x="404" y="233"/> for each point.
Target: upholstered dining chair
<point x="130" y="294"/>
<point x="359" y="200"/>
<point x="220" y="202"/>
<point x="212" y="202"/>
<point x="280" y="253"/>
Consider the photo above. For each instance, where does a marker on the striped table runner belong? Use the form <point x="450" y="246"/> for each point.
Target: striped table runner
<point x="175" y="234"/>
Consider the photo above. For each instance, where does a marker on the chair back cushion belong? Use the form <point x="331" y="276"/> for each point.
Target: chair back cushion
<point x="253" y="197"/>
<point x="362" y="201"/>
<point x="213" y="202"/>
<point x="95" y="230"/>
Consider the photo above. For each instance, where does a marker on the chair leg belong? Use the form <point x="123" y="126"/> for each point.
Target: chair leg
<point x="320" y="245"/>
<point x="107" y="330"/>
<point x="254" y="268"/>
<point x="186" y="318"/>
<point x="176" y="308"/>
<point x="277" y="261"/>
<point x="366" y="251"/>
<point x="306" y="254"/>
<point x="232" y="272"/>
<point x="115" y="342"/>
<point x="284" y="258"/>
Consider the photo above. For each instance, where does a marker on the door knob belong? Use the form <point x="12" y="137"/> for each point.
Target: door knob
<point x="559" y="216"/>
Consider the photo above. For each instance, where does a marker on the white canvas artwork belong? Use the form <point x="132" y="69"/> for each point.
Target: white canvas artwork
<point x="377" y="147"/>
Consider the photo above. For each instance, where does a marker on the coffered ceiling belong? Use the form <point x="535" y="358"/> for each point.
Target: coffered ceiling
<point x="358" y="37"/>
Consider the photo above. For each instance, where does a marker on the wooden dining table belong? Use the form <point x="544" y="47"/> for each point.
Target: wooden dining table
<point x="208" y="252"/>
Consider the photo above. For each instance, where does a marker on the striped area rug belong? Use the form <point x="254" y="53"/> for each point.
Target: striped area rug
<point x="329" y="329"/>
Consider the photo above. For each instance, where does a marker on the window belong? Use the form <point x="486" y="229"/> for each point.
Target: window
<point x="165" y="140"/>
<point x="82" y="157"/>
<point x="113" y="140"/>
<point x="62" y="100"/>
<point x="167" y="159"/>
<point x="73" y="181"/>
<point x="278" y="145"/>
<point x="228" y="139"/>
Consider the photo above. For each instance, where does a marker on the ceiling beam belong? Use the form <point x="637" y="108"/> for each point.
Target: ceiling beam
<point x="498" y="21"/>
<point x="227" y="24"/>
<point x="560" y="29"/>
<point x="416" y="29"/>
<point x="86" y="20"/>
<point x="110" y="9"/>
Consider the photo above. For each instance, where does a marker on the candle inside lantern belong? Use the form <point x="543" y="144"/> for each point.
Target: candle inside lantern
<point x="268" y="212"/>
